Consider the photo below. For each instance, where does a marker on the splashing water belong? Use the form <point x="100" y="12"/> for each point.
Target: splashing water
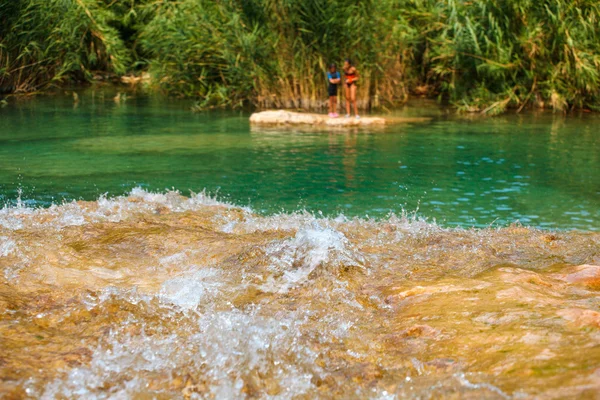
<point x="154" y="295"/>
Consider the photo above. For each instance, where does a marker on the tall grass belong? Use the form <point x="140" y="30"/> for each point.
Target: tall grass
<point x="489" y="55"/>
<point x="268" y="52"/>
<point x="484" y="56"/>
<point x="51" y="41"/>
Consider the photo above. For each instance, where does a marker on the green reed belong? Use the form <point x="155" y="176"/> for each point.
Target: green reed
<point x="485" y="56"/>
<point x="266" y="52"/>
<point x="48" y="41"/>
<point x="489" y="55"/>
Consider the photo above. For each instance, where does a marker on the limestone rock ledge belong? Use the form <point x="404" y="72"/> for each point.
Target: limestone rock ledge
<point x="283" y="117"/>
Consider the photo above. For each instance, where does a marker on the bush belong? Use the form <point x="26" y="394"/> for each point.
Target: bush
<point x="50" y="41"/>
<point x="489" y="55"/>
<point x="483" y="56"/>
<point x="269" y="53"/>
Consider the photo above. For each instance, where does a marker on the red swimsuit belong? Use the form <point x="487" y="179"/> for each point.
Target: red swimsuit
<point x="351" y="78"/>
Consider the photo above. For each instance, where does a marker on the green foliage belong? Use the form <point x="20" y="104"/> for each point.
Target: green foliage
<point x="202" y="49"/>
<point x="484" y="56"/>
<point x="268" y="52"/>
<point x="489" y="55"/>
<point x="46" y="41"/>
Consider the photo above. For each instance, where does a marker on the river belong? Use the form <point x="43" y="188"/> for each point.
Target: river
<point x="150" y="252"/>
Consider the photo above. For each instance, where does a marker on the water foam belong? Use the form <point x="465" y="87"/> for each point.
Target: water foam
<point x="116" y="209"/>
<point x="7" y="246"/>
<point x="313" y="246"/>
<point x="223" y="350"/>
<point x="188" y="290"/>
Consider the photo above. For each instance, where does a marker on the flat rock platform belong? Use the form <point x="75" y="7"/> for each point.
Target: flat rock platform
<point x="283" y="117"/>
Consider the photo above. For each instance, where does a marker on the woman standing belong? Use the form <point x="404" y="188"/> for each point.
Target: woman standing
<point x="351" y="78"/>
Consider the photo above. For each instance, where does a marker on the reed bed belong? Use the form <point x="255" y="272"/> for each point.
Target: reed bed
<point x="485" y="56"/>
<point x="53" y="41"/>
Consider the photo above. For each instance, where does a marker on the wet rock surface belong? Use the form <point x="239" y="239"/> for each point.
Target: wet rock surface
<point x="283" y="117"/>
<point x="162" y="296"/>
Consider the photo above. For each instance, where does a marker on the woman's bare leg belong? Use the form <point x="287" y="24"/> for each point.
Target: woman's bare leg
<point x="353" y="90"/>
<point x="348" y="99"/>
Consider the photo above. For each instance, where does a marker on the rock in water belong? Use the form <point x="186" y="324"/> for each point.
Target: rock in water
<point x="282" y="117"/>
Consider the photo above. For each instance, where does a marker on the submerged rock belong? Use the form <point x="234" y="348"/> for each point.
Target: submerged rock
<point x="156" y="295"/>
<point x="582" y="275"/>
<point x="581" y="317"/>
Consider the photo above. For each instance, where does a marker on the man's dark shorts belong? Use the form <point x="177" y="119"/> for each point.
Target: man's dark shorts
<point x="333" y="90"/>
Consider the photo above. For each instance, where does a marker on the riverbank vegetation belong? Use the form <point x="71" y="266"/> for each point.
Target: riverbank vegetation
<point x="483" y="56"/>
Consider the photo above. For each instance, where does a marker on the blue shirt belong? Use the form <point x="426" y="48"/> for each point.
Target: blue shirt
<point x="335" y="75"/>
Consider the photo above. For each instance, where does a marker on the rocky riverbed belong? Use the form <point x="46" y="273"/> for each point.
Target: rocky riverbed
<point x="163" y="296"/>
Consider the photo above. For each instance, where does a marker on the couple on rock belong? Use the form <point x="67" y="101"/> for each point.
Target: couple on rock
<point x="334" y="78"/>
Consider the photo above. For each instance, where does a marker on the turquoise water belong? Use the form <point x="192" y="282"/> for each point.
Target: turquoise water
<point x="539" y="169"/>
